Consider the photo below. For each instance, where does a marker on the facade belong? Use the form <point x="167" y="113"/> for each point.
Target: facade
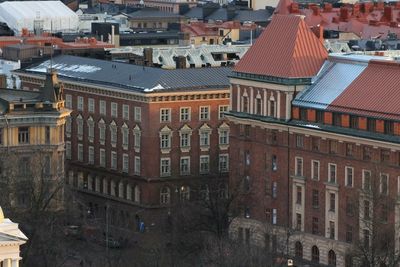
<point x="11" y="238"/>
<point x="315" y="145"/>
<point x="175" y="6"/>
<point x="142" y="138"/>
<point x="32" y="143"/>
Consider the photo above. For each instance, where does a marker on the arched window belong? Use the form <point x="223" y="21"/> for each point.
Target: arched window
<point x="315" y="254"/>
<point x="299" y="249"/>
<point x="137" y="194"/>
<point x="165" y="195"/>
<point x="245" y="104"/>
<point x="185" y="193"/>
<point x="332" y="258"/>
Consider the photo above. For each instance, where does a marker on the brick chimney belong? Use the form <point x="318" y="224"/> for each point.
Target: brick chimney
<point x="327" y="7"/>
<point x="387" y="13"/>
<point x="319" y="32"/>
<point x="344" y="13"/>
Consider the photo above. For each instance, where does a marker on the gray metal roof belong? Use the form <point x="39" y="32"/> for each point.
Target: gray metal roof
<point x="133" y="77"/>
<point x="152" y="13"/>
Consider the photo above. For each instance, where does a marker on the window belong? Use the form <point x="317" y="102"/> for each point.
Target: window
<point x="113" y="160"/>
<point x="315" y="143"/>
<point x="315" y="254"/>
<point x="125" y="112"/>
<point x="366" y="180"/>
<point x="137" y="134"/>
<point x="303" y="114"/>
<point x="68" y="101"/>
<point x="90" y="125"/>
<point x="332" y="201"/>
<point x="385" y="155"/>
<point x="46" y="135"/>
<point x="68" y="126"/>
<point x="388" y="127"/>
<point x="204" y="113"/>
<point x="349" y="233"/>
<point x="315" y="170"/>
<point x="125" y="136"/>
<point x="332" y="146"/>
<point x="366" y="210"/>
<point x="258" y="106"/>
<point x="337" y="119"/>
<point x="371" y="125"/>
<point x="298" y="221"/>
<point x="274" y="189"/>
<point x="299" y="141"/>
<point x="332" y="258"/>
<point x="315" y="226"/>
<point x="23" y="135"/>
<point x="223" y="163"/>
<point x="221" y="110"/>
<point x="245" y="104"/>
<point x="332" y="230"/>
<point x="80" y="152"/>
<point x="79" y="123"/>
<point x="319" y="116"/>
<point x="298" y="194"/>
<point x="349" y="207"/>
<point x="125" y="162"/>
<point x="165" y="195"/>
<point x="80" y="103"/>
<point x="349" y="150"/>
<point x="113" y="133"/>
<point x="274" y="163"/>
<point x="165" y="115"/>
<point x="315" y="198"/>
<point x="185" y="165"/>
<point x="298" y="250"/>
<point x="102" y="157"/>
<point x="68" y="149"/>
<point x="274" y="216"/>
<point x="138" y="114"/>
<point x="91" y="155"/>
<point x="204" y="138"/>
<point x="332" y="173"/>
<point x="272" y="108"/>
<point x="299" y="166"/>
<point x="384" y="189"/>
<point x="185" y="193"/>
<point x="223" y="137"/>
<point x="102" y="131"/>
<point x="114" y="109"/>
<point x="204" y="164"/>
<point x="103" y="108"/>
<point x="165" y="167"/>
<point x="349" y="172"/>
<point x="91" y="105"/>
<point x="185" y="114"/>
<point x="165" y="140"/>
<point x="185" y="140"/>
<point x="353" y="122"/>
<point x="366" y="237"/>
<point x="137" y="165"/>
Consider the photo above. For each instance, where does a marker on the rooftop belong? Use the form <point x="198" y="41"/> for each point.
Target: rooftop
<point x="132" y="77"/>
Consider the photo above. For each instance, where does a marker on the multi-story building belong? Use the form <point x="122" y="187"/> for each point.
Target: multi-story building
<point x="175" y="6"/>
<point x="32" y="143"/>
<point x="315" y="146"/>
<point x="139" y="137"/>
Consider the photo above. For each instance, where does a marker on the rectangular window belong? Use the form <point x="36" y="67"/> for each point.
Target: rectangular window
<point x="125" y="112"/>
<point x="298" y="194"/>
<point x="204" y="138"/>
<point x="315" y="170"/>
<point x="138" y="114"/>
<point x="125" y="136"/>
<point x="371" y="125"/>
<point x="366" y="153"/>
<point x="315" y="226"/>
<point x="333" y="147"/>
<point x="299" y="166"/>
<point x="113" y="132"/>
<point x="91" y="155"/>
<point x="274" y="163"/>
<point x="349" y="150"/>
<point x="332" y="230"/>
<point x="353" y="122"/>
<point x="221" y="110"/>
<point x="165" y="115"/>
<point x="332" y="173"/>
<point x="113" y="160"/>
<point x="204" y="164"/>
<point x="366" y="180"/>
<point x="185" y="165"/>
<point x="274" y="216"/>
<point x="68" y="150"/>
<point x="332" y="202"/>
<point x="389" y="127"/>
<point x="384" y="183"/>
<point x="137" y="165"/>
<point x="223" y="163"/>
<point x="315" y="143"/>
<point x="223" y="137"/>
<point x="23" y="135"/>
<point x="337" y="119"/>
<point x="80" y="152"/>
<point x="47" y="135"/>
<point x="303" y="114"/>
<point x="366" y="210"/>
<point x="298" y="221"/>
<point x="385" y="155"/>
<point x="102" y="132"/>
<point x="258" y="106"/>
<point x="68" y="101"/>
<point x="349" y="207"/>
<point x="299" y="141"/>
<point x="274" y="190"/>
<point x="204" y="113"/>
<point x="91" y="105"/>
<point x="80" y="103"/>
<point x="165" y="167"/>
<point x="103" y="108"/>
<point x="137" y="138"/>
<point x="320" y="116"/>
<point x="114" y="109"/>
<point x="125" y="163"/>
<point x="185" y="140"/>
<point x="349" y="172"/>
<point x="102" y="157"/>
<point x="185" y="114"/>
<point x="165" y="140"/>
<point x="315" y="198"/>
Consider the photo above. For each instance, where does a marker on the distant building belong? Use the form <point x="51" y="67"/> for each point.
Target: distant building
<point x="11" y="238"/>
<point x="140" y="138"/>
<point x="172" y="6"/>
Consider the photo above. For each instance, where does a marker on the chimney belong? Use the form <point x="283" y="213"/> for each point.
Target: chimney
<point x="356" y="9"/>
<point x="327" y="7"/>
<point x="387" y="14"/>
<point x="380" y="5"/>
<point x="319" y="32"/>
<point x="180" y="62"/>
<point x="344" y="13"/>
<point x="148" y="56"/>
<point x="294" y="8"/>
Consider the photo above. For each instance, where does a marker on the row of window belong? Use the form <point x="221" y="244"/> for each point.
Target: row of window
<point x="204" y="165"/>
<point x="185" y="113"/>
<point x="367" y="178"/>
<point x="258" y="105"/>
<point x="91" y="105"/>
<point x="24" y="135"/>
<point x="315" y="255"/>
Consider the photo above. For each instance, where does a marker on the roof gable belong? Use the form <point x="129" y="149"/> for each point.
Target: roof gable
<point x="287" y="48"/>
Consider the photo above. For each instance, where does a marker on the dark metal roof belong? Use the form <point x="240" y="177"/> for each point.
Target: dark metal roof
<point x="133" y="77"/>
<point x="260" y="15"/>
<point x="195" y="13"/>
<point x="152" y="13"/>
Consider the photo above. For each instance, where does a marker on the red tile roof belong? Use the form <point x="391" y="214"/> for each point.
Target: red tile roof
<point x="375" y="92"/>
<point x="287" y="49"/>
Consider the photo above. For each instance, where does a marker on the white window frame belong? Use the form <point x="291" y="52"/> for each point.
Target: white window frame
<point x="138" y="114"/>
<point x="187" y="114"/>
<point x="226" y="162"/>
<point x="125" y="136"/>
<point x="221" y="110"/>
<point x="114" y="160"/>
<point x="103" y="158"/>
<point x="165" y="115"/>
<point x="312" y="170"/>
<point x="383" y="176"/>
<point x="80" y="105"/>
<point x="167" y="171"/>
<point x="296" y="163"/>
<point x="68" y="149"/>
<point x="125" y="163"/>
<point x="125" y="112"/>
<point x="332" y="165"/>
<point x="68" y="101"/>
<point x="364" y="171"/>
<point x="91" y="155"/>
<point x="182" y="171"/>
<point x="91" y="106"/>
<point x="80" y="152"/>
<point x="137" y="166"/>
<point x="114" y="109"/>
<point x="347" y="169"/>
<point x="103" y="107"/>
<point x="204" y="113"/>
<point x="204" y="159"/>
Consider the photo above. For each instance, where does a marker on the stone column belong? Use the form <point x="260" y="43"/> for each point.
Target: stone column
<point x="15" y="263"/>
<point x="7" y="263"/>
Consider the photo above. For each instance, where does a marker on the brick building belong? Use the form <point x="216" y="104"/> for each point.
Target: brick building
<point x="140" y="138"/>
<point x="315" y="145"/>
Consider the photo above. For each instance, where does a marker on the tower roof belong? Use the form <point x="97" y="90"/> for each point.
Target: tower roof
<point x="287" y="48"/>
